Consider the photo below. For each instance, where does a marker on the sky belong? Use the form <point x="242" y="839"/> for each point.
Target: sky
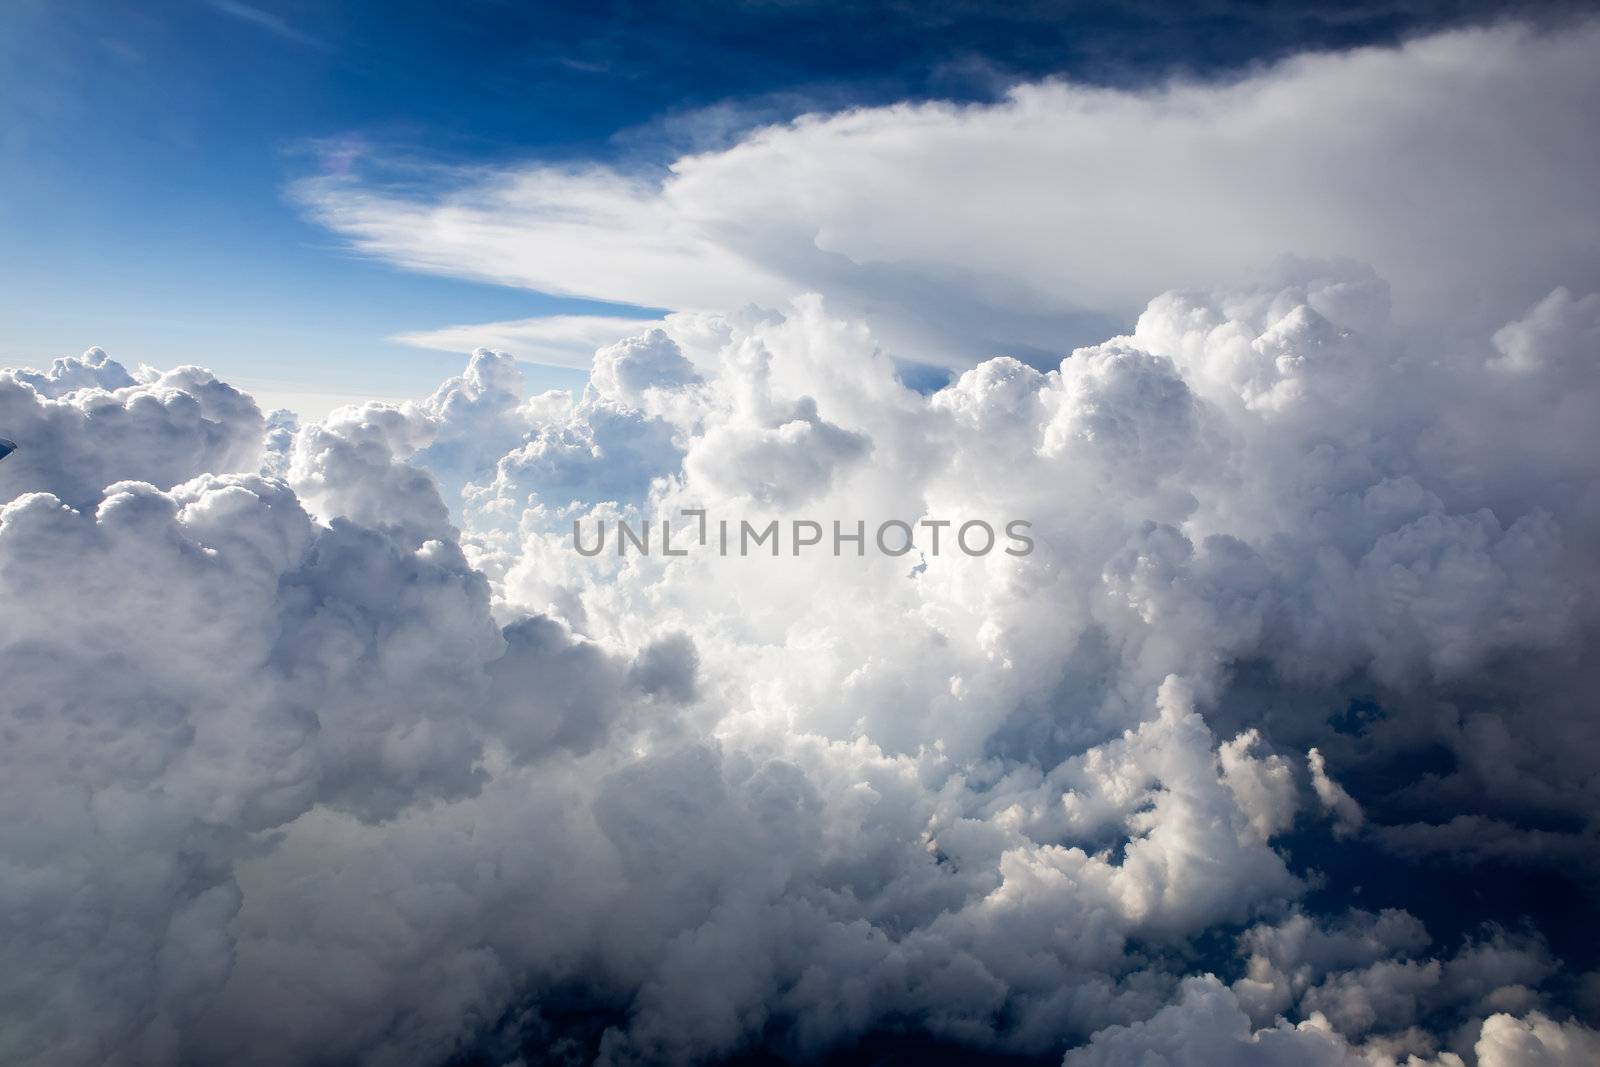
<point x="1263" y="340"/>
<point x="149" y="154"/>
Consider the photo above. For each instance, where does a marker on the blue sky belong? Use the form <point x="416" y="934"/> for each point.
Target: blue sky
<point x="146" y="150"/>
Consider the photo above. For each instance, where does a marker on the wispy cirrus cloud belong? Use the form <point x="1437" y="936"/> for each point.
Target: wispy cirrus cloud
<point x="266" y="20"/>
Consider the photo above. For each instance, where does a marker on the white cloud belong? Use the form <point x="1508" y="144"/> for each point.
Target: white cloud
<point x="554" y="340"/>
<point x="1535" y="1041"/>
<point x="1206" y="1027"/>
<point x="626" y="370"/>
<point x="87" y="422"/>
<point x="1347" y="814"/>
<point x="323" y="743"/>
<point x="1456" y="165"/>
<point x="986" y="798"/>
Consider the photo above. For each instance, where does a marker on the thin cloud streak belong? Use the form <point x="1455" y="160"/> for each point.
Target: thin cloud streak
<point x="267" y="21"/>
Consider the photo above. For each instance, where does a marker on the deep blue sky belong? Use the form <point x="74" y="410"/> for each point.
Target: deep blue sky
<point x="145" y="148"/>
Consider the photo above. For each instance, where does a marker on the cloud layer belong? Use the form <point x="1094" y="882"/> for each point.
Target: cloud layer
<point x="338" y="750"/>
<point x="1460" y="166"/>
<point x="324" y="745"/>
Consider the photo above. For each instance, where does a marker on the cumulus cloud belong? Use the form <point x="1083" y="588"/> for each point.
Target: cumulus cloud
<point x="199" y="666"/>
<point x="323" y="743"/>
<point x="87" y="422"/>
<point x="355" y="757"/>
<point x="1205" y="1026"/>
<point x="1535" y="1041"/>
<point x="653" y="360"/>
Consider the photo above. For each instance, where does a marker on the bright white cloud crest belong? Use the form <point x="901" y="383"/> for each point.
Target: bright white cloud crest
<point x="323" y="745"/>
<point x="1459" y="166"/>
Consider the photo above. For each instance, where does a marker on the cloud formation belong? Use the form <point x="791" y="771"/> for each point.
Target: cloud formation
<point x="357" y="759"/>
<point x="323" y="744"/>
<point x="1457" y="165"/>
<point x="86" y="422"/>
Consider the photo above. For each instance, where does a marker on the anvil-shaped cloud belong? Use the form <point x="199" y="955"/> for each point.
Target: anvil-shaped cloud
<point x="1460" y="166"/>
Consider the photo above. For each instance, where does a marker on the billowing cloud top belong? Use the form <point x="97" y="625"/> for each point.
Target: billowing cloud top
<point x="323" y="744"/>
